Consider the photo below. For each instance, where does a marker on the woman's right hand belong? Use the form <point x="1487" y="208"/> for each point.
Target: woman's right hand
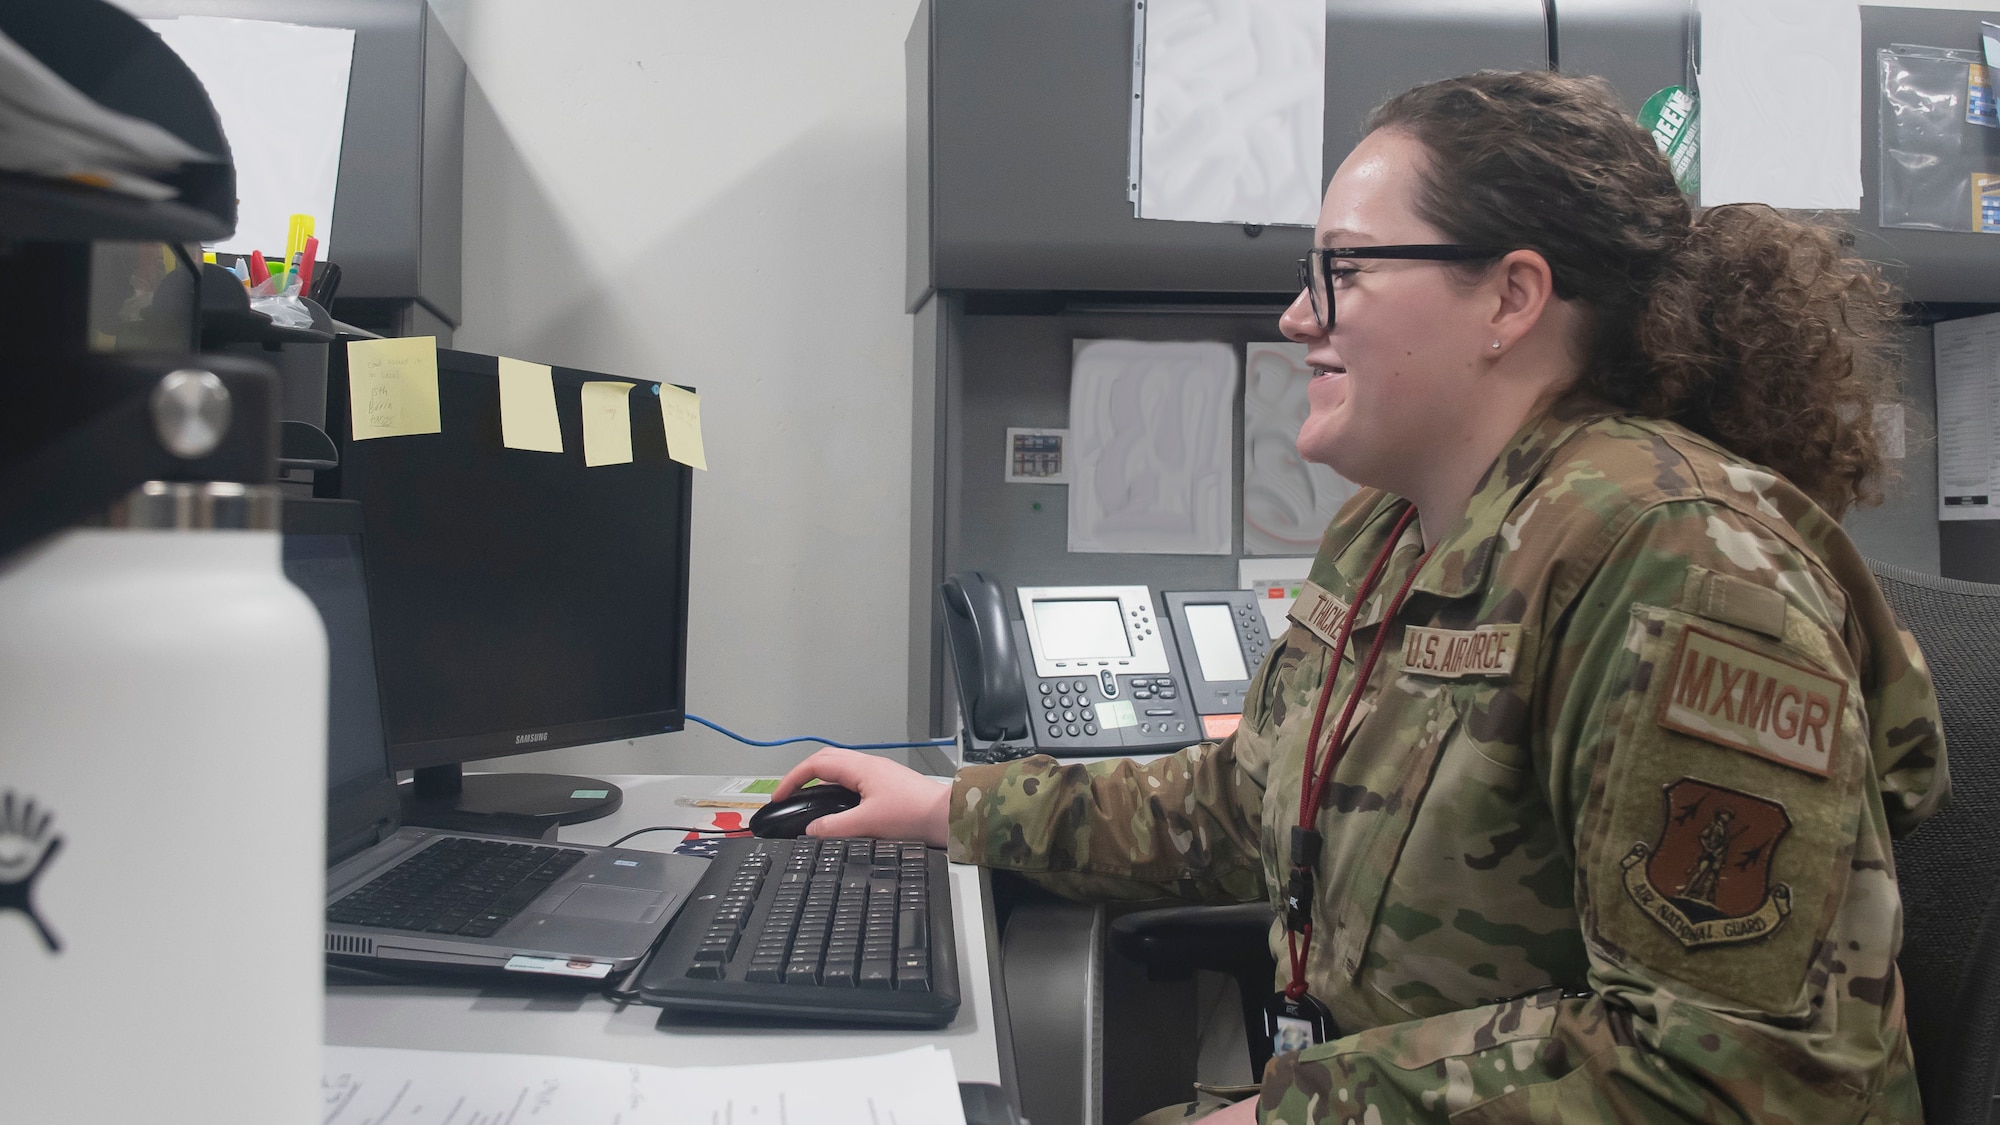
<point x="897" y="802"/>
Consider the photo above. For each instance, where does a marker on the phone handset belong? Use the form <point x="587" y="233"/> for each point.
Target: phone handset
<point x="985" y="663"/>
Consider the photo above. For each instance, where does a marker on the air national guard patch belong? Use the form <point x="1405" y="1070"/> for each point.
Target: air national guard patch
<point x="1707" y="880"/>
<point x="1452" y="654"/>
<point x="1727" y="694"/>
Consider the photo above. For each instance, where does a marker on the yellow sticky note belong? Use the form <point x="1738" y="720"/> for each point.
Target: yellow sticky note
<point x="392" y="386"/>
<point x="607" y="423"/>
<point x="528" y="407"/>
<point x="680" y="413"/>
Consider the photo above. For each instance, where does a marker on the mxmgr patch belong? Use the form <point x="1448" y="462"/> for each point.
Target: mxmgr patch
<point x="1707" y="879"/>
<point x="1729" y="695"/>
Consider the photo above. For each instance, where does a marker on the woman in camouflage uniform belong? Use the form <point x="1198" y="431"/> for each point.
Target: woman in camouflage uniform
<point x="1610" y="726"/>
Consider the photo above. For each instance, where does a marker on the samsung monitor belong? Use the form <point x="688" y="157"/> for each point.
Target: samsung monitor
<point x="522" y="600"/>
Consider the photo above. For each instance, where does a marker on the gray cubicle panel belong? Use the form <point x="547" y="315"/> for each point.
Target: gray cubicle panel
<point x="396" y="220"/>
<point x="985" y="362"/>
<point x="1904" y="528"/>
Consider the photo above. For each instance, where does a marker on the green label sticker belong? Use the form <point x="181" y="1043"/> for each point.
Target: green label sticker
<point x="761" y="785"/>
<point x="1113" y="715"/>
<point x="1673" y="116"/>
<point x="589" y="794"/>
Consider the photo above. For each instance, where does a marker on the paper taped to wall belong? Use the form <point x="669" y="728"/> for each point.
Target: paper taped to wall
<point x="1231" y="110"/>
<point x="1968" y="410"/>
<point x="1287" y="500"/>
<point x="280" y="90"/>
<point x="1151" y="440"/>
<point x="372" y="1084"/>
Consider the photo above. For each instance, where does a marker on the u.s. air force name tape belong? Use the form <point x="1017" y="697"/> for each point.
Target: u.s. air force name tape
<point x="1451" y="654"/>
<point x="1731" y="696"/>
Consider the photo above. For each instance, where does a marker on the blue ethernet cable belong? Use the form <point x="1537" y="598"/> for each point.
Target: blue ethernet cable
<point x="823" y="741"/>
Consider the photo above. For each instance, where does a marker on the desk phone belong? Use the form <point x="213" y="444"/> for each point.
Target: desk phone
<point x="1087" y="671"/>
<point x="1222" y="642"/>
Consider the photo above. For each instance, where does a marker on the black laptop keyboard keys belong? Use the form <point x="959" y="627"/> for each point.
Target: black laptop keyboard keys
<point x="457" y="885"/>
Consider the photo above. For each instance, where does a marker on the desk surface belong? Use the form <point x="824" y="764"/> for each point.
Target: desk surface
<point x="585" y="1025"/>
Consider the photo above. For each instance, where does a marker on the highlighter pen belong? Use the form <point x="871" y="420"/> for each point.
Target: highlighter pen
<point x="259" y="273"/>
<point x="306" y="263"/>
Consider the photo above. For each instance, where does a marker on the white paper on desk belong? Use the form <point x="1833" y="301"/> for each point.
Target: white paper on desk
<point x="281" y="92"/>
<point x="1232" y="98"/>
<point x="1968" y="407"/>
<point x="1287" y="500"/>
<point x="1151" y="428"/>
<point x="371" y="1085"/>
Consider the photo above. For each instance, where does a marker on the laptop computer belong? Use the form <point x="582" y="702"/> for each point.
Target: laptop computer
<point x="398" y="893"/>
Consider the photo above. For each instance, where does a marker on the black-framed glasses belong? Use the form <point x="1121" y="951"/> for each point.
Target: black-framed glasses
<point x="1317" y="271"/>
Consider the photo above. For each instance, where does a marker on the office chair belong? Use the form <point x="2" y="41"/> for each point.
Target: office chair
<point x="1949" y="868"/>
<point x="1172" y="942"/>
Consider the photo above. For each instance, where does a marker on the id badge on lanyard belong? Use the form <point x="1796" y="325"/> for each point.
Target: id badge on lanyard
<point x="1293" y="1018"/>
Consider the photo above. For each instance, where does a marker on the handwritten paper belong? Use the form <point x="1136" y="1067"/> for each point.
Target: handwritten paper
<point x="1287" y="500"/>
<point x="680" y="412"/>
<point x="1152" y="438"/>
<point x="392" y="387"/>
<point x="607" y="422"/>
<point x="367" y="1085"/>
<point x="1232" y="97"/>
<point x="528" y="407"/>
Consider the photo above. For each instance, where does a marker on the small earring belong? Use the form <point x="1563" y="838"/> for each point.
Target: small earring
<point x="1496" y="345"/>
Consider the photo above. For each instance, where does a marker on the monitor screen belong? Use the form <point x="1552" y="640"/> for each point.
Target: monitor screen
<point x="1212" y="627"/>
<point x="522" y="600"/>
<point x="1081" y="629"/>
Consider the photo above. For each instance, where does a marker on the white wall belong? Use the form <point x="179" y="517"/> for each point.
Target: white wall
<point x="712" y="194"/>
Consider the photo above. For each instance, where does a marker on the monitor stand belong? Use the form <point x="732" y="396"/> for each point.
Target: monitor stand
<point x="505" y="804"/>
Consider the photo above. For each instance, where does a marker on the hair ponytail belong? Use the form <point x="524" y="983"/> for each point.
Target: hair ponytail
<point x="1766" y="336"/>
<point x="1757" y="331"/>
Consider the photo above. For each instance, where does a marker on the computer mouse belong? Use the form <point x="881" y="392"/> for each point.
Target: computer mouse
<point x="787" y="819"/>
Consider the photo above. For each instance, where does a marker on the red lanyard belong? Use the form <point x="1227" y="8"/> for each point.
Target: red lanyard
<point x="1305" y="842"/>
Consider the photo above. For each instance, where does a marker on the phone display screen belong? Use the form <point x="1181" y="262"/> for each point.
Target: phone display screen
<point x="1084" y="629"/>
<point x="1215" y="645"/>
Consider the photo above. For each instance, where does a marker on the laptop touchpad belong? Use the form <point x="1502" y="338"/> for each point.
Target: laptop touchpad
<point x="612" y="904"/>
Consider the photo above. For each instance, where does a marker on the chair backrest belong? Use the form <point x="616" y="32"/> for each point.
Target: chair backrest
<point x="1949" y="868"/>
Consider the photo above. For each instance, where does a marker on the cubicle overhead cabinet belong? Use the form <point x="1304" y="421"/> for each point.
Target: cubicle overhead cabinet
<point x="1020" y="127"/>
<point x="396" y="221"/>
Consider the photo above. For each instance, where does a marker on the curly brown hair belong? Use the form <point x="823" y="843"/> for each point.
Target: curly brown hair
<point x="1749" y="327"/>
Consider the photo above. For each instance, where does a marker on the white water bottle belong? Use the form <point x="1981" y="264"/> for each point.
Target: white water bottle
<point x="162" y="811"/>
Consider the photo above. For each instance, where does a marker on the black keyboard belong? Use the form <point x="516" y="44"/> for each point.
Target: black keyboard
<point x="456" y="886"/>
<point x="851" y="932"/>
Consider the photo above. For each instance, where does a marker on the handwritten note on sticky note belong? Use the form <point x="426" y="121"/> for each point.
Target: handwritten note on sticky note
<point x="607" y="423"/>
<point x="392" y="386"/>
<point x="528" y="407"/>
<point x="680" y="412"/>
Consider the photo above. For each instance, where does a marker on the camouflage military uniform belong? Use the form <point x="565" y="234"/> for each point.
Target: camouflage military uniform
<point x="1612" y="839"/>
